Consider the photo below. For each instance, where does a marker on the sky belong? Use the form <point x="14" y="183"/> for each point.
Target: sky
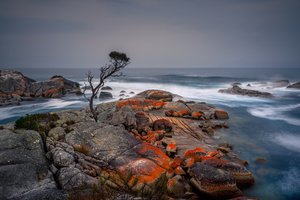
<point x="153" y="33"/>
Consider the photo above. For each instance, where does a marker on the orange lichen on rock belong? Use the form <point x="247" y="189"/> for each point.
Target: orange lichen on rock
<point x="171" y="147"/>
<point x="177" y="161"/>
<point x="197" y="115"/>
<point x="140" y="104"/>
<point x="170" y="173"/>
<point x="141" y="171"/>
<point x="189" y="162"/>
<point x="53" y="92"/>
<point x="179" y="171"/>
<point x="153" y="136"/>
<point x="196" y="153"/>
<point x="182" y="113"/>
<point x="152" y="164"/>
<point x="211" y="154"/>
<point x="171" y="183"/>
<point x="155" y="154"/>
<point x="158" y="95"/>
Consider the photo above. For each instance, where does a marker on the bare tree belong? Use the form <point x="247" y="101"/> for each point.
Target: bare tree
<point x="117" y="62"/>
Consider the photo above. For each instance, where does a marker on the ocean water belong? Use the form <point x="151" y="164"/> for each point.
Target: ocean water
<point x="259" y="128"/>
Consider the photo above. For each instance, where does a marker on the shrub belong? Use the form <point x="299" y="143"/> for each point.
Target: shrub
<point x="41" y="122"/>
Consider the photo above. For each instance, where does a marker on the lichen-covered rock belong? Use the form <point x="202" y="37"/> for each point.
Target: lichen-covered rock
<point x="142" y="121"/>
<point x="125" y="154"/>
<point x="239" y="91"/>
<point x="242" y="176"/>
<point x="14" y="82"/>
<point x="178" y="186"/>
<point x="132" y="146"/>
<point x="156" y="95"/>
<point x="162" y="124"/>
<point x="52" y="88"/>
<point x="221" y="114"/>
<point x="15" y="87"/>
<point x="214" y="183"/>
<point x="140" y="104"/>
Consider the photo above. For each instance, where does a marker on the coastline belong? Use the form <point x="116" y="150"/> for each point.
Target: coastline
<point x="154" y="135"/>
<point x="276" y="129"/>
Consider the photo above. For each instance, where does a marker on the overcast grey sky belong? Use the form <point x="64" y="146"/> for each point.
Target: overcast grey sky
<point x="154" y="33"/>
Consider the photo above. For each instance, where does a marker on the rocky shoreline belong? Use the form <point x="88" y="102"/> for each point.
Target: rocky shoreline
<point x="237" y="89"/>
<point x="15" y="88"/>
<point x="155" y="145"/>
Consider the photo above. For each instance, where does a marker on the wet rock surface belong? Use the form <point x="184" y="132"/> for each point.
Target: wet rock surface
<point x="105" y="95"/>
<point x="138" y="146"/>
<point x="294" y="86"/>
<point x="235" y="89"/>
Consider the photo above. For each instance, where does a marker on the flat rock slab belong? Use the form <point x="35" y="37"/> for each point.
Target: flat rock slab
<point x="123" y="153"/>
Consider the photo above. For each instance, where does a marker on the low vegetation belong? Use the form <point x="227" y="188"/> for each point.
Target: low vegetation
<point x="41" y="122"/>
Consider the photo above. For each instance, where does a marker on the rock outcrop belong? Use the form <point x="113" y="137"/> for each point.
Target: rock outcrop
<point x="105" y="95"/>
<point x="24" y="170"/>
<point x="240" y="91"/>
<point x="15" y="87"/>
<point x="137" y="147"/>
<point x="294" y="86"/>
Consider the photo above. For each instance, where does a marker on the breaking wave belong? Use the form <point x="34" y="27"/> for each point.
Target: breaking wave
<point x="287" y="140"/>
<point x="276" y="113"/>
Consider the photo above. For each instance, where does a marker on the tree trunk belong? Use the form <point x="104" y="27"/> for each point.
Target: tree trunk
<point x="92" y="109"/>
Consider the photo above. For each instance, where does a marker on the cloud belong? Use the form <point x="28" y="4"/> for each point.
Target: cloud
<point x="154" y="33"/>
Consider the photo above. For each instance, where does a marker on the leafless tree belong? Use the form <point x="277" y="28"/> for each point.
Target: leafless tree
<point x="117" y="62"/>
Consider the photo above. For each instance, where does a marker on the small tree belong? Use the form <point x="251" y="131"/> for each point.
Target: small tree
<point x="117" y="62"/>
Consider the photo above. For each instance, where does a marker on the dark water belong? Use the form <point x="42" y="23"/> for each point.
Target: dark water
<point x="259" y="128"/>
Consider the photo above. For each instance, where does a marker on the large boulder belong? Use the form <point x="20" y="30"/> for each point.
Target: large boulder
<point x="24" y="168"/>
<point x="242" y="176"/>
<point x="294" y="86"/>
<point x="106" y="88"/>
<point x="239" y="91"/>
<point x="156" y="95"/>
<point x="214" y="183"/>
<point x="15" y="87"/>
<point x="53" y="88"/>
<point x="14" y="82"/>
<point x="221" y="114"/>
<point x="105" y="95"/>
<point x="69" y="86"/>
<point x="122" y="152"/>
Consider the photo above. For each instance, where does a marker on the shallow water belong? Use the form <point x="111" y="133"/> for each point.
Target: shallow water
<point x="259" y="128"/>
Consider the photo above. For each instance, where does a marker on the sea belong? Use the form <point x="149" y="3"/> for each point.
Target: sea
<point x="260" y="128"/>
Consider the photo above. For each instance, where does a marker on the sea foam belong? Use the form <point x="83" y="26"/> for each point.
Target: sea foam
<point x="288" y="140"/>
<point x="276" y="113"/>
